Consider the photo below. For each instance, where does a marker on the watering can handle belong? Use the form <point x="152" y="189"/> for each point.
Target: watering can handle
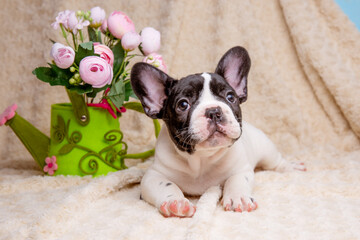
<point x="79" y="107"/>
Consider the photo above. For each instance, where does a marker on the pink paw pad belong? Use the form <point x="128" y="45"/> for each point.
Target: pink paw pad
<point x="243" y="204"/>
<point x="177" y="208"/>
<point x="300" y="166"/>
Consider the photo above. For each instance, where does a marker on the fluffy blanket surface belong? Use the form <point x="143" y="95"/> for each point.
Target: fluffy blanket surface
<point x="304" y="88"/>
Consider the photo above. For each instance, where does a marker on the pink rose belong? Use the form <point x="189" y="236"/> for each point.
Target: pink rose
<point x="98" y="15"/>
<point x="156" y="60"/>
<point x="119" y="24"/>
<point x="95" y="71"/>
<point x="104" y="27"/>
<point x="150" y="40"/>
<point x="130" y="41"/>
<point x="63" y="55"/>
<point x="104" y="52"/>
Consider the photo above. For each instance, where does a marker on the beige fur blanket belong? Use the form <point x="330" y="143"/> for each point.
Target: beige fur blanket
<point x="304" y="88"/>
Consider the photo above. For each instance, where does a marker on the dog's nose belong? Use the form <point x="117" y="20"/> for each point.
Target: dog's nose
<point x="215" y="114"/>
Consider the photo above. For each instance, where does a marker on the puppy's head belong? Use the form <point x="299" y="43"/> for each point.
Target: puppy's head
<point x="201" y="111"/>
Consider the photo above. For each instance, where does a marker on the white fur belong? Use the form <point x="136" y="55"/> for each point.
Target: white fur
<point x="198" y="121"/>
<point x="175" y="172"/>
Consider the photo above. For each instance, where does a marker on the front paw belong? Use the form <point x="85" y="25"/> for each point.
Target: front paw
<point x="239" y="203"/>
<point x="177" y="208"/>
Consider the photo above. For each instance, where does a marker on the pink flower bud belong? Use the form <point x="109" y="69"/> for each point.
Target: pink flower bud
<point x="95" y="71"/>
<point x="104" y="52"/>
<point x="63" y="55"/>
<point x="130" y="41"/>
<point x="98" y="15"/>
<point x="119" y="24"/>
<point x="150" y="40"/>
<point x="156" y="60"/>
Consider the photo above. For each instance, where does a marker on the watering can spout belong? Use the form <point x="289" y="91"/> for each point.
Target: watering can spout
<point x="33" y="139"/>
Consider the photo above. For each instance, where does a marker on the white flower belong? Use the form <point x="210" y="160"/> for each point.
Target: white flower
<point x="130" y="41"/>
<point x="62" y="18"/>
<point x="75" y="24"/>
<point x="150" y="40"/>
<point x="98" y="15"/>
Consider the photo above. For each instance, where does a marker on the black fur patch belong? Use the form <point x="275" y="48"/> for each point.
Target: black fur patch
<point x="177" y="121"/>
<point x="190" y="89"/>
<point x="220" y="88"/>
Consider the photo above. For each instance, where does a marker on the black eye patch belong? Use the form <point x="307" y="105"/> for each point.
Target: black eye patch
<point x="223" y="92"/>
<point x="178" y="119"/>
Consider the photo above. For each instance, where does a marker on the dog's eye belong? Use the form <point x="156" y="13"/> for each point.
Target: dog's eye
<point x="231" y="98"/>
<point x="183" y="105"/>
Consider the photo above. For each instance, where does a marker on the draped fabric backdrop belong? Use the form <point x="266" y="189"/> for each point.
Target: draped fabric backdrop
<point x="304" y="92"/>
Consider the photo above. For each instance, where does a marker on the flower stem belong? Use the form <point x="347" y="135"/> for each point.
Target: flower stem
<point x="75" y="41"/>
<point x="134" y="55"/>
<point x="64" y="33"/>
<point x="121" y="67"/>
<point x="98" y="35"/>
<point x="81" y="36"/>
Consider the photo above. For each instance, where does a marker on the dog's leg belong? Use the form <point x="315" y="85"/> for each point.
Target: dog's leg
<point x="282" y="165"/>
<point x="237" y="192"/>
<point x="269" y="158"/>
<point x="165" y="195"/>
<point x="272" y="160"/>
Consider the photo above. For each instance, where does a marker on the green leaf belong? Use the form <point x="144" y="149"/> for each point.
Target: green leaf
<point x="84" y="50"/>
<point x="119" y="54"/>
<point x="53" y="75"/>
<point x="44" y="74"/>
<point x="62" y="75"/>
<point x="66" y="149"/>
<point x="129" y="92"/>
<point x="136" y="106"/>
<point x="92" y="34"/>
<point x="96" y="91"/>
<point x="87" y="45"/>
<point x="81" y="89"/>
<point x="116" y="94"/>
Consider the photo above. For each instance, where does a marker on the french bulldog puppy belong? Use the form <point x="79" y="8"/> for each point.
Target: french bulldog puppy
<point x="204" y="141"/>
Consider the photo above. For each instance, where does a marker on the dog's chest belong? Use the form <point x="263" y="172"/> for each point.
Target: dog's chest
<point x="202" y="174"/>
<point x="195" y="173"/>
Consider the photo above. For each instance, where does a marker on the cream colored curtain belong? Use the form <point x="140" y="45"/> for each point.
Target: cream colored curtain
<point x="303" y="86"/>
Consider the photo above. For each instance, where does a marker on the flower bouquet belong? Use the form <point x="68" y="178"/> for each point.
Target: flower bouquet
<point x="85" y="136"/>
<point x="100" y="64"/>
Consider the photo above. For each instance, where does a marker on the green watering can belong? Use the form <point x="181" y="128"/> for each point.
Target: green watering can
<point x="83" y="140"/>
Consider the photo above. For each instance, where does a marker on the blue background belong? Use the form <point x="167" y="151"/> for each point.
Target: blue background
<point x="351" y="9"/>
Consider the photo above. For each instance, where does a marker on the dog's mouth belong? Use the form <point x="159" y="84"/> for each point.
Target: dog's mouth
<point x="216" y="130"/>
<point x="217" y="137"/>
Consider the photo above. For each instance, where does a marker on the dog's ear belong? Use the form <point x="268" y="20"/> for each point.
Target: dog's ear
<point x="151" y="86"/>
<point x="234" y="67"/>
